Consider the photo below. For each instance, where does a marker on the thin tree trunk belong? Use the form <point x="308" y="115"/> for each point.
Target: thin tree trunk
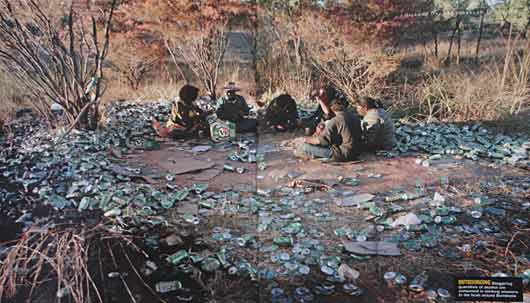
<point x="459" y="45"/>
<point x="507" y="58"/>
<point x="435" y="37"/>
<point x="298" y="59"/>
<point x="174" y="58"/>
<point x="481" y="28"/>
<point x="457" y="26"/>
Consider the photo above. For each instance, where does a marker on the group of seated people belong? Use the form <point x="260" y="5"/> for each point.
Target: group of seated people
<point x="335" y="131"/>
<point x="187" y="120"/>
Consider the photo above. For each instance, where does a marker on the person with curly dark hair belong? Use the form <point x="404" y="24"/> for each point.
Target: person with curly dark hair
<point x="282" y="113"/>
<point x="186" y="118"/>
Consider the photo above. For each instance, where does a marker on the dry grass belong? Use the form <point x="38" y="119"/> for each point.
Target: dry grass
<point x="495" y="87"/>
<point x="162" y="86"/>
<point x="496" y="90"/>
<point x="11" y="99"/>
<point x="161" y="89"/>
<point x="44" y="257"/>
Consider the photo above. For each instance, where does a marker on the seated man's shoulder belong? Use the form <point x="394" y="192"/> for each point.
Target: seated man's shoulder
<point x="241" y="98"/>
<point x="178" y="105"/>
<point x="349" y="118"/>
<point x="352" y="115"/>
<point x="372" y="116"/>
<point x="385" y="115"/>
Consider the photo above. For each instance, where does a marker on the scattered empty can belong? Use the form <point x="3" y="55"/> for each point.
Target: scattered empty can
<point x="389" y="278"/>
<point x="418" y="283"/>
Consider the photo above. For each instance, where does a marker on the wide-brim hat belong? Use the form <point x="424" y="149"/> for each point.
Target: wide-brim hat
<point x="231" y="86"/>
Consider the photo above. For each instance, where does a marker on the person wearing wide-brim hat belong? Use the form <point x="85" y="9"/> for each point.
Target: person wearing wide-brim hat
<point x="231" y="87"/>
<point x="233" y="107"/>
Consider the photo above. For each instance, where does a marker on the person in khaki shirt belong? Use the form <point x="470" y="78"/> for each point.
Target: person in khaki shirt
<point x="339" y="139"/>
<point x="378" y="127"/>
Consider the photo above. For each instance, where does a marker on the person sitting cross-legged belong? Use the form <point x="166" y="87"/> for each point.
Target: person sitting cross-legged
<point x="378" y="127"/>
<point x="338" y="140"/>
<point x="282" y="113"/>
<point x="186" y="119"/>
<point x="233" y="107"/>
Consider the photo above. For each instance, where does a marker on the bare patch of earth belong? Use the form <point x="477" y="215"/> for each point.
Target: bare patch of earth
<point x="260" y="203"/>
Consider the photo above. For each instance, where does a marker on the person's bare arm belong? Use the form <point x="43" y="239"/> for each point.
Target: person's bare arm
<point x="324" y="106"/>
<point x="312" y="140"/>
<point x="323" y="137"/>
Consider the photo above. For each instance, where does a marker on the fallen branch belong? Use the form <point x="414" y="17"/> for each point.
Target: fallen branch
<point x="510" y="243"/>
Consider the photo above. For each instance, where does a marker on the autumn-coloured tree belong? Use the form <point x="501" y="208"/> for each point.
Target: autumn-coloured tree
<point x="134" y="55"/>
<point x="192" y="33"/>
<point x="514" y="13"/>
<point x="354" y="67"/>
<point x="340" y="42"/>
<point x="203" y="54"/>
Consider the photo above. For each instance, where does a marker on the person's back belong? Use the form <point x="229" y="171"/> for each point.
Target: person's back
<point x="388" y="131"/>
<point x="184" y="114"/>
<point x="343" y="134"/>
<point x="379" y="130"/>
<point x="282" y="112"/>
<point x="378" y="127"/>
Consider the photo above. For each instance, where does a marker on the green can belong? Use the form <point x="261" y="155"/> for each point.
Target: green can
<point x="178" y="257"/>
<point x="283" y="241"/>
<point x="229" y="168"/>
<point x="221" y="130"/>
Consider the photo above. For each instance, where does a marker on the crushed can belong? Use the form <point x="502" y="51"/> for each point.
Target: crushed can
<point x="389" y="278"/>
<point x="400" y="280"/>
<point x="283" y="241"/>
<point x="178" y="257"/>
<point x="167" y="286"/>
<point x="443" y="294"/>
<point x="418" y="283"/>
<point x="221" y="130"/>
<point x="229" y="168"/>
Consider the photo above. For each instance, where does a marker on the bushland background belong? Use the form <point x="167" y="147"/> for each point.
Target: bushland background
<point x="444" y="60"/>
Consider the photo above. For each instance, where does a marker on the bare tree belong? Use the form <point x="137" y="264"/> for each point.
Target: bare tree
<point x="356" y="69"/>
<point x="456" y="30"/>
<point x="57" y="62"/>
<point x="203" y="53"/>
<point x="483" y="10"/>
<point x="134" y="59"/>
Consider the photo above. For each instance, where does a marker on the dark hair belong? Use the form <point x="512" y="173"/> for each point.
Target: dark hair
<point x="337" y="107"/>
<point x="369" y="103"/>
<point x="330" y="92"/>
<point x="284" y="99"/>
<point x="188" y="93"/>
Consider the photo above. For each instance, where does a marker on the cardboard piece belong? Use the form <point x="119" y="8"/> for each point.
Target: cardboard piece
<point x="372" y="248"/>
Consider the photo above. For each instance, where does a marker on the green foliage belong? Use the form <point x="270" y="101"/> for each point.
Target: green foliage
<point x="516" y="12"/>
